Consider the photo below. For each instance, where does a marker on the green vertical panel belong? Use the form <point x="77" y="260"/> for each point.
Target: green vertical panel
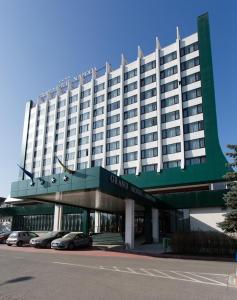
<point x="85" y="221"/>
<point x="148" y="225"/>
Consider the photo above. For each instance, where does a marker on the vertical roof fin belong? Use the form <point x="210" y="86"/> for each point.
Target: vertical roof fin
<point x="157" y="43"/>
<point x="139" y="52"/>
<point x="177" y="33"/>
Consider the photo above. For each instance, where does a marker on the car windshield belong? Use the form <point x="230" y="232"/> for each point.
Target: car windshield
<point x="70" y="235"/>
<point x="13" y="235"/>
<point x="50" y="234"/>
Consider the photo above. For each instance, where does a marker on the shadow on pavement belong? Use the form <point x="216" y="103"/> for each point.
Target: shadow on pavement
<point x="16" y="280"/>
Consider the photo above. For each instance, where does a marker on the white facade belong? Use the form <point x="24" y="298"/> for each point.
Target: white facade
<point x="129" y="120"/>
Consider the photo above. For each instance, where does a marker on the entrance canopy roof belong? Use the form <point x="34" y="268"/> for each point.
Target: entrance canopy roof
<point x="94" y="188"/>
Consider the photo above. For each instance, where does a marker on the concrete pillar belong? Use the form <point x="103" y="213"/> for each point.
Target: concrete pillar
<point x="97" y="222"/>
<point x="129" y="223"/>
<point x="58" y="217"/>
<point x="155" y="225"/>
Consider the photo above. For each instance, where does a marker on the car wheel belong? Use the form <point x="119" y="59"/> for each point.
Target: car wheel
<point x="9" y="244"/>
<point x="71" y="246"/>
<point x="19" y="244"/>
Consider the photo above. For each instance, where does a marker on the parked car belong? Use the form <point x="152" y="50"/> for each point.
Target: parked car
<point x="72" y="240"/>
<point x="45" y="240"/>
<point x="4" y="236"/>
<point x="20" y="238"/>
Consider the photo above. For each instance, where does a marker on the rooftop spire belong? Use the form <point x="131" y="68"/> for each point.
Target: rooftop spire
<point x="157" y="43"/>
<point x="139" y="52"/>
<point x="177" y="33"/>
<point x="123" y="60"/>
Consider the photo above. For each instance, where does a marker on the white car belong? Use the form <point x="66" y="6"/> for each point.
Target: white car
<point x="20" y="238"/>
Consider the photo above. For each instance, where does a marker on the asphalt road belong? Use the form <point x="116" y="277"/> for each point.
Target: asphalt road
<point x="32" y="274"/>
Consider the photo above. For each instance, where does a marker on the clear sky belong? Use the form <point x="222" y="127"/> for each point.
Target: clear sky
<point x="42" y="42"/>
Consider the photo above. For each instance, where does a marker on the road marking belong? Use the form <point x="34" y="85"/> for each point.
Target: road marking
<point x="147" y="272"/>
<point x="165" y="275"/>
<point x="189" y="278"/>
<point x="206" y="278"/>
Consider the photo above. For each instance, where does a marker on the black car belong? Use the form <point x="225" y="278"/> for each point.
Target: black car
<point x="45" y="240"/>
<point x="4" y="236"/>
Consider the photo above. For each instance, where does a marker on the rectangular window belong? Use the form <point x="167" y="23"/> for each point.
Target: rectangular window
<point x="69" y="156"/>
<point x="99" y="111"/>
<point x="113" y="93"/>
<point x="97" y="150"/>
<point x="130" y="100"/>
<point x="60" y="125"/>
<point x="113" y="106"/>
<point x="112" y="160"/>
<point x="189" y="49"/>
<point x="169" y="101"/>
<point x="99" y="87"/>
<point x="51" y="107"/>
<point x="49" y="129"/>
<point x="49" y="119"/>
<point x="149" y="137"/>
<point x="46" y="161"/>
<point x="71" y="132"/>
<point x="82" y="153"/>
<point x="128" y="171"/>
<point x="85" y="116"/>
<point x="85" y="93"/>
<point x="148" y="108"/>
<point x="130" y="142"/>
<point x="172" y="116"/>
<point x="84" y="128"/>
<point x="148" y="94"/>
<point x="73" y="98"/>
<point x="82" y="165"/>
<point x="192" y="110"/>
<point x="171" y="132"/>
<point x="130" y="74"/>
<point x="59" y="136"/>
<point x="149" y="168"/>
<point x="170" y="86"/>
<point x="58" y="147"/>
<point x="60" y="114"/>
<point x="113" y="132"/>
<point x="130" y="156"/>
<point x="83" y="140"/>
<point x="168" y="72"/>
<point x="149" y="122"/>
<point x="113" y="119"/>
<point x="97" y="136"/>
<point x="85" y="104"/>
<point x="72" y="121"/>
<point x="148" y="80"/>
<point x="72" y="110"/>
<point x="190" y="63"/>
<point x="114" y="81"/>
<point x="168" y="57"/>
<point x="61" y="103"/>
<point x="147" y="153"/>
<point x="130" y="127"/>
<point x="171" y="148"/>
<point x="98" y="124"/>
<point x="130" y="87"/>
<point x="171" y="164"/>
<point x="193" y="127"/>
<point x="190" y="79"/>
<point x="99" y="99"/>
<point x="97" y="162"/>
<point x="194" y="144"/>
<point x="195" y="160"/>
<point x="130" y="114"/>
<point x="70" y="144"/>
<point x="147" y="67"/>
<point x="112" y="146"/>
<point x="189" y="95"/>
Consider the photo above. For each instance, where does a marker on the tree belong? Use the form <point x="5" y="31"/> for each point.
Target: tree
<point x="230" y="222"/>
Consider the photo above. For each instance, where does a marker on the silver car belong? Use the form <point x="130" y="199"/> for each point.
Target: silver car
<point x="20" y="238"/>
<point x="72" y="241"/>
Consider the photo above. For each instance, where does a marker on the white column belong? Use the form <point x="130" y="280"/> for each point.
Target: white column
<point x="129" y="223"/>
<point x="155" y="225"/>
<point x="97" y="222"/>
<point x="58" y="217"/>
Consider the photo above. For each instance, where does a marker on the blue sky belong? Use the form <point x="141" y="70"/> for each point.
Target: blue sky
<point x="42" y="42"/>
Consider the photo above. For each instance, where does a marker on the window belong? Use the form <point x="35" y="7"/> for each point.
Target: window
<point x="130" y="114"/>
<point x="58" y="147"/>
<point x="83" y="128"/>
<point x="71" y="132"/>
<point x="148" y="80"/>
<point x="168" y="57"/>
<point x="113" y="106"/>
<point x="113" y="132"/>
<point x="130" y="100"/>
<point x="99" y="99"/>
<point x="130" y="87"/>
<point x="49" y="119"/>
<point x="172" y="116"/>
<point x="128" y="171"/>
<point x="59" y="136"/>
<point x="82" y="153"/>
<point x="85" y="116"/>
<point x="61" y="103"/>
<point x="85" y="104"/>
<point x="168" y="72"/>
<point x="130" y="142"/>
<point x="149" y="137"/>
<point x="192" y="94"/>
<point x="70" y="144"/>
<point x="97" y="150"/>
<point x="195" y="160"/>
<point x="56" y="170"/>
<point x="113" y="93"/>
<point x="55" y="159"/>
<point x="193" y="127"/>
<point x="194" y="144"/>
<point x="190" y="79"/>
<point x="73" y="98"/>
<point x="147" y="67"/>
<point x="98" y="124"/>
<point x="97" y="162"/>
<point x="130" y="127"/>
<point x="72" y="121"/>
<point x="47" y="150"/>
<point x="46" y="161"/>
<point x="112" y="160"/>
<point x="130" y="156"/>
<point x="114" y="81"/>
<point x="171" y="148"/>
<point x="85" y="93"/>
<point x="148" y="122"/>
<point x="97" y="136"/>
<point x="51" y="107"/>
<point x="164" y="88"/>
<point x="36" y="164"/>
<point x="61" y="114"/>
<point x="99" y="87"/>
<point x="190" y="64"/>
<point x="169" y="101"/>
<point x="113" y="119"/>
<point x="189" y="49"/>
<point x="152" y="152"/>
<point x="83" y="140"/>
<point x="171" y="132"/>
<point x="148" y="94"/>
<point x="60" y="125"/>
<point x="72" y="110"/>
<point x="192" y="110"/>
<point x="149" y="168"/>
<point x="148" y="108"/>
<point x="171" y="164"/>
<point x="99" y="111"/>
<point x="130" y="74"/>
<point x="69" y="156"/>
<point x="82" y="165"/>
<point x="112" y="146"/>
